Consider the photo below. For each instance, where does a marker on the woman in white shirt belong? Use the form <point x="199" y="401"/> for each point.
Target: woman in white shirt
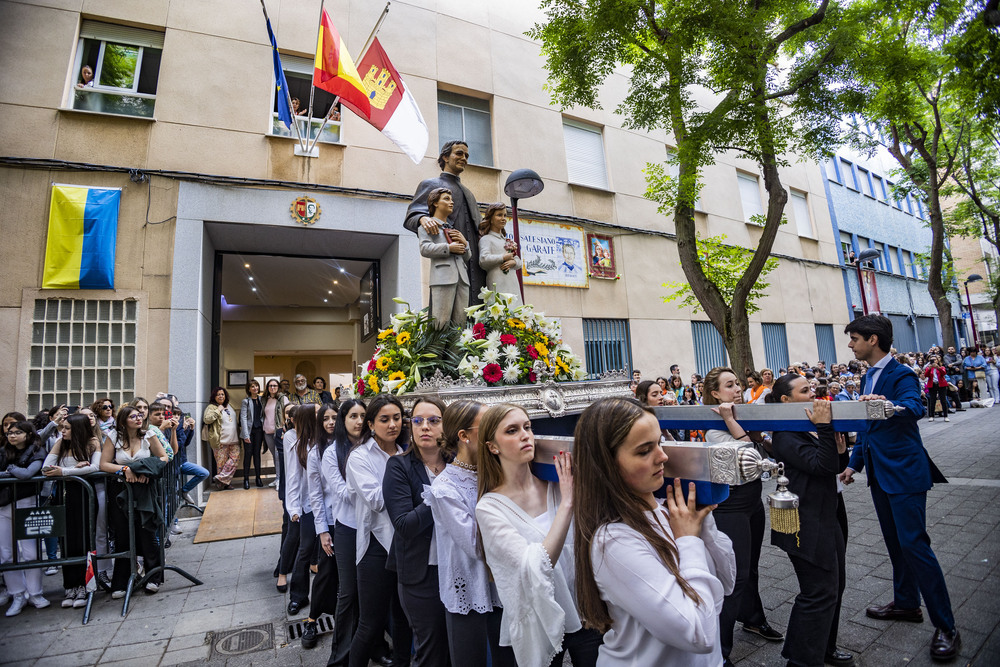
<point x="384" y="436"/>
<point x="76" y="452"/>
<point x="298" y="507"/>
<point x="322" y="501"/>
<point x="740" y="517"/>
<point x="472" y="606"/>
<point x="651" y="577"/>
<point x="524" y="523"/>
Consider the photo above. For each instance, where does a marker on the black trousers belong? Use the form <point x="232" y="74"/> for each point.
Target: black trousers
<point x="470" y="635"/>
<point x="815" y="619"/>
<point x="252" y="450"/>
<point x="937" y="394"/>
<point x="424" y="610"/>
<point x="75" y="544"/>
<point x="741" y="518"/>
<point x="325" y="584"/>
<point x="146" y="544"/>
<point x="377" y="598"/>
<point x="345" y="620"/>
<point x="298" y="588"/>
<point x="583" y="646"/>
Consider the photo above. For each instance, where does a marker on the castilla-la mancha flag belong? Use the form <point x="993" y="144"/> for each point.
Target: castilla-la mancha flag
<point x="392" y="109"/>
<point x="334" y="69"/>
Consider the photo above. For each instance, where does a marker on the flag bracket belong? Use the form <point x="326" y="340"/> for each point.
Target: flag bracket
<point x="313" y="151"/>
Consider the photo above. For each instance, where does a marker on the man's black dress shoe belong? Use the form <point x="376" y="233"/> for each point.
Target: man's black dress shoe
<point x="945" y="645"/>
<point x="890" y="612"/>
<point x="294" y="607"/>
<point x="765" y="631"/>
<point x="246" y="483"/>
<point x="839" y="659"/>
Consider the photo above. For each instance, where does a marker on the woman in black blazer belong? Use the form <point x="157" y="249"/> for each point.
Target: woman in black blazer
<point x="812" y="463"/>
<point x="403" y="488"/>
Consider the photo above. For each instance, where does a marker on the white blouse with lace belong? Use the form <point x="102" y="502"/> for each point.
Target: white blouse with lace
<point x="463" y="580"/>
<point x="539" y="600"/>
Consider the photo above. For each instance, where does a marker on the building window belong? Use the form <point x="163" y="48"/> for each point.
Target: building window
<point x="775" y="345"/>
<point x="674" y="170"/>
<point x="585" y="154"/>
<point x="750" y="197"/>
<point x="866" y="182"/>
<point x="607" y="346"/>
<point x="298" y="74"/>
<point x="832" y="170"/>
<point x="887" y="257"/>
<point x="800" y="210"/>
<point x="846" y="246"/>
<point x="920" y="210"/>
<point x="849" y="175"/>
<point x="81" y="350"/>
<point x="879" y="188"/>
<point x="893" y="196"/>
<point x="909" y="204"/>
<point x="463" y="118"/>
<point x="826" y="344"/>
<point x="709" y="348"/>
<point x="116" y="69"/>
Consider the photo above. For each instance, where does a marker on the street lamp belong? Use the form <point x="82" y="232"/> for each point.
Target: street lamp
<point x="870" y="253"/>
<point x="521" y="184"/>
<point x="971" y="279"/>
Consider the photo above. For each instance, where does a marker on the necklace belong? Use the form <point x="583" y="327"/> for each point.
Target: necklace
<point x="464" y="466"/>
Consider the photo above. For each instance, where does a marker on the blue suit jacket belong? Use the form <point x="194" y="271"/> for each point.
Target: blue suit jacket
<point x="892" y="449"/>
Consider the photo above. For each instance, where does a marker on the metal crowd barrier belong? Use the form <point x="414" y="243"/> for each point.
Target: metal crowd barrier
<point x="47" y="518"/>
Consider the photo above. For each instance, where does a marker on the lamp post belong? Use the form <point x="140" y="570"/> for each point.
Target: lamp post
<point x="864" y="256"/>
<point x="521" y="184"/>
<point x="968" y="300"/>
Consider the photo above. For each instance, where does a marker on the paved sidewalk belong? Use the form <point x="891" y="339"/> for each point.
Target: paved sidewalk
<point x="181" y="623"/>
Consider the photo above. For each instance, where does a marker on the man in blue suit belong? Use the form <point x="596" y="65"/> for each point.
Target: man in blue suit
<point x="899" y="474"/>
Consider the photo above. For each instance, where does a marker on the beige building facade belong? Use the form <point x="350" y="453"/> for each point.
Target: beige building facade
<point x="182" y="120"/>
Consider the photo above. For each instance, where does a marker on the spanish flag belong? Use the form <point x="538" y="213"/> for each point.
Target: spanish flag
<point x="335" y="71"/>
<point x="83" y="230"/>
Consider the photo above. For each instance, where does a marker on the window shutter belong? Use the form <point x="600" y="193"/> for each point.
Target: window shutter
<point x="749" y="196"/>
<point x="585" y="155"/>
<point x="121" y="34"/>
<point x="800" y="209"/>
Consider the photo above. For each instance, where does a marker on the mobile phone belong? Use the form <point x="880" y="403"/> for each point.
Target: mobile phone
<point x="168" y="414"/>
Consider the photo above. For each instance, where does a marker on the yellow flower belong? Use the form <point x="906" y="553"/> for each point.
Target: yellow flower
<point x="398" y="375"/>
<point x="385" y="333"/>
<point x="562" y="365"/>
<point x="382" y="363"/>
<point x="515" y="323"/>
<point x="403" y="338"/>
<point x="542" y="350"/>
<point x="373" y="383"/>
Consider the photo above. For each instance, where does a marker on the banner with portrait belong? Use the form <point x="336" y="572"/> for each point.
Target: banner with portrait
<point x="553" y="254"/>
<point x="871" y="291"/>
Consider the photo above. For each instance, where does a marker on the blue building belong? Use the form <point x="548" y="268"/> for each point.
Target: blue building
<point x="865" y="214"/>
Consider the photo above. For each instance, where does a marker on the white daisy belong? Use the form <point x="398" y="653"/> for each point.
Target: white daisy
<point x="511" y="373"/>
<point x="491" y="355"/>
<point x="493" y="339"/>
<point x="511" y="352"/>
<point x="466" y="337"/>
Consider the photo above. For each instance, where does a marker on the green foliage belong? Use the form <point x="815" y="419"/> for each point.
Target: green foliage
<point x="724" y="264"/>
<point x="949" y="276"/>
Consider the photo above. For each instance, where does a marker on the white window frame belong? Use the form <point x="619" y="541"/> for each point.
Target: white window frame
<point x="467" y="104"/>
<point x="333" y="133"/>
<point x="805" y="228"/>
<point x="743" y="183"/>
<point x="586" y="162"/>
<point x="115" y="34"/>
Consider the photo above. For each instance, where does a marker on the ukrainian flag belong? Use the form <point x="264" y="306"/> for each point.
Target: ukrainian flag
<point x="83" y="230"/>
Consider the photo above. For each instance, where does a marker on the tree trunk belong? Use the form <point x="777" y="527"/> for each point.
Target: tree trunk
<point x="738" y="343"/>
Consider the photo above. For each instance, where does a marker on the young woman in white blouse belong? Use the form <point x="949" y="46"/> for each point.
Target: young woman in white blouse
<point x="651" y="577"/>
<point x="384" y="436"/>
<point x="298" y="507"/>
<point x="76" y="452"/>
<point x="472" y="606"/>
<point x="524" y="523"/>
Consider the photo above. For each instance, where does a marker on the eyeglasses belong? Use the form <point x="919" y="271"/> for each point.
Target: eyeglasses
<point x="136" y="415"/>
<point x="14" y="432"/>
<point x="433" y="421"/>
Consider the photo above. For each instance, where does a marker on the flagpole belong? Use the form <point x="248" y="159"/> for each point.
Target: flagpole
<point x="364" y="49"/>
<point x="288" y="95"/>
<point x="312" y="87"/>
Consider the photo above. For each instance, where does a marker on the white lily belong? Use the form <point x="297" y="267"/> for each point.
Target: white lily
<point x="465" y="337"/>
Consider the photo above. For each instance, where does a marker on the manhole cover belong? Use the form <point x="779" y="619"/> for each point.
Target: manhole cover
<point x="243" y="640"/>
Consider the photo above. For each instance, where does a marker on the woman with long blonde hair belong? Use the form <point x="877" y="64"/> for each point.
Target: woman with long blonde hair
<point x="651" y="575"/>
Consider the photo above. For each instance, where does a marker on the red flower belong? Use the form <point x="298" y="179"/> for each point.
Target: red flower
<point x="371" y="365"/>
<point x="361" y="386"/>
<point x="508" y="339"/>
<point x="532" y="377"/>
<point x="532" y="352"/>
<point x="479" y="332"/>
<point x="492" y="373"/>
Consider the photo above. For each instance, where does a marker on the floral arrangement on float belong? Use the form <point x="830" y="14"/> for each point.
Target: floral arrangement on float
<point x="501" y="345"/>
<point x="514" y="345"/>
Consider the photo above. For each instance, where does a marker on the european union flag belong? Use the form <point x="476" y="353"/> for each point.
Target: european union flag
<point x="284" y="111"/>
